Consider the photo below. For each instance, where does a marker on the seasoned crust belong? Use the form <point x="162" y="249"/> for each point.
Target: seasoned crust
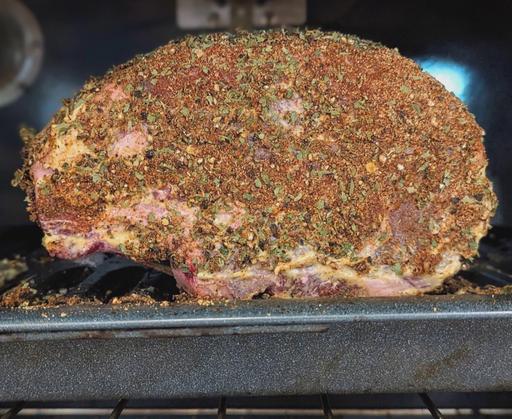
<point x="320" y="138"/>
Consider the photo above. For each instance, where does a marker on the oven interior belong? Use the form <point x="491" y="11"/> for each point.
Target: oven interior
<point x="83" y="306"/>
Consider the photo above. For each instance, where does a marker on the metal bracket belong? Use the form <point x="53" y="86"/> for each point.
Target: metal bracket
<point x="239" y="14"/>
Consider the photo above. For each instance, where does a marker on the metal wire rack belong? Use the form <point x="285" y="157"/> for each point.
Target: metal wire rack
<point x="417" y="406"/>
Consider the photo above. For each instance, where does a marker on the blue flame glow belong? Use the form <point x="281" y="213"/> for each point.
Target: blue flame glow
<point x="452" y="75"/>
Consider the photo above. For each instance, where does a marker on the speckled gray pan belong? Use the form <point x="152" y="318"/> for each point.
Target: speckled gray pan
<point x="432" y="343"/>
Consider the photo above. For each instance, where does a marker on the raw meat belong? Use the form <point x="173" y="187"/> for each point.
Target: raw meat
<point x="293" y="164"/>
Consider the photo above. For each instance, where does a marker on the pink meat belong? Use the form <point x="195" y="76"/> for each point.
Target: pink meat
<point x="291" y="164"/>
<point x="129" y="144"/>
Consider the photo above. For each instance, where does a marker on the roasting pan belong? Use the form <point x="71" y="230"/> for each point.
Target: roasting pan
<point x="259" y="347"/>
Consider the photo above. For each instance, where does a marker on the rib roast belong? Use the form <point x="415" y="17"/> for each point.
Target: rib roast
<point x="292" y="164"/>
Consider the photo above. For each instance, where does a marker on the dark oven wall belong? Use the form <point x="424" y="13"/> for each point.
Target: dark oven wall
<point x="465" y="44"/>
